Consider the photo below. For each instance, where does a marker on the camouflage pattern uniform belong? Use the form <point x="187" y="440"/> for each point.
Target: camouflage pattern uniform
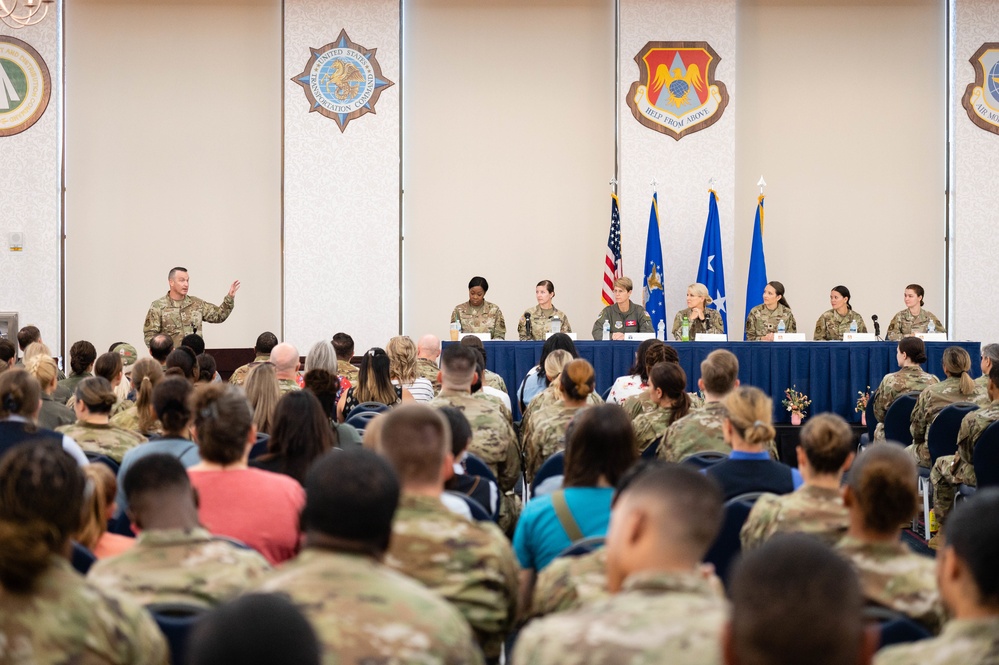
<point x="711" y="323"/>
<point x="470" y="564"/>
<point x="982" y="383"/>
<point x="540" y="321"/>
<point x="287" y="386"/>
<point x="651" y="425"/>
<point x="905" y="380"/>
<point x="760" y="321"/>
<point x="129" y="419"/>
<point x="831" y="326"/>
<point x="491" y="378"/>
<point x="107" y="440"/>
<point x="549" y="396"/>
<point x="65" y="619"/>
<point x="486" y="318"/>
<point x="238" y="377"/>
<point x="961" y="642"/>
<point x="817" y="511"/>
<point x="179" y="318"/>
<point x="428" y="369"/>
<point x="950" y="471"/>
<point x="569" y="582"/>
<point x="653" y="615"/>
<point x="67" y="387"/>
<point x="697" y="432"/>
<point x="893" y="576"/>
<point x="346" y="370"/>
<point x="123" y="405"/>
<point x="930" y="403"/>
<point x="905" y="324"/>
<point x="497" y="401"/>
<point x="636" y="314"/>
<point x="547" y="436"/>
<point x="638" y="404"/>
<point x="365" y="612"/>
<point x="175" y="566"/>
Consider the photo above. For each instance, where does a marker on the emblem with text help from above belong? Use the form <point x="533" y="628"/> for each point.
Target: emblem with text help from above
<point x="677" y="93"/>
<point x="25" y="86"/>
<point x="342" y="80"/>
<point x="981" y="99"/>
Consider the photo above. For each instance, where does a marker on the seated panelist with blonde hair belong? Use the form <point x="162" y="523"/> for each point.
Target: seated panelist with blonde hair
<point x="699" y="317"/>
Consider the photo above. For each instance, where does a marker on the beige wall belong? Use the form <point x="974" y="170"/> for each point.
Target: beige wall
<point x="841" y="110"/>
<point x="508" y="145"/>
<point x="173" y="157"/>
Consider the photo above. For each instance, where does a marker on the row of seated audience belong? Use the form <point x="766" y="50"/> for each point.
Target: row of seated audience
<point x="265" y="488"/>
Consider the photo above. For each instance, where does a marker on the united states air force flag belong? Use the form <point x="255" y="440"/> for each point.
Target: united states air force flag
<point x="655" y="301"/>
<point x="711" y="272"/>
<point x="757" y="280"/>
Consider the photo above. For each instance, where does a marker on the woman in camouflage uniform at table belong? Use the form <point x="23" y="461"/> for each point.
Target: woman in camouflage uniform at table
<point x="763" y="320"/>
<point x="834" y="323"/>
<point x="477" y="315"/>
<point x="911" y="353"/>
<point x="535" y="322"/>
<point x="913" y="319"/>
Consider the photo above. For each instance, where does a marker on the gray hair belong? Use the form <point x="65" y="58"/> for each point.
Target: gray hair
<point x="321" y="356"/>
<point x="991" y="351"/>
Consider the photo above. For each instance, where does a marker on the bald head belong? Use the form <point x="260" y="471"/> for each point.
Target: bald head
<point x="428" y="347"/>
<point x="285" y="359"/>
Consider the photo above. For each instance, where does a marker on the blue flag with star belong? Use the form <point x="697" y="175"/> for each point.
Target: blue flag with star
<point x="757" y="280"/>
<point x="655" y="300"/>
<point x="711" y="272"/>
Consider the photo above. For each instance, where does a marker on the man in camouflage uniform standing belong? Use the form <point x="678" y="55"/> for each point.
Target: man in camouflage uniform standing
<point x="661" y="527"/>
<point x="174" y="560"/>
<point x="178" y="314"/>
<point x="469" y="564"/>
<point x="266" y="342"/>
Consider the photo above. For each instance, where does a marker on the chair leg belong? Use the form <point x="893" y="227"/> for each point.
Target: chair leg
<point x="926" y="490"/>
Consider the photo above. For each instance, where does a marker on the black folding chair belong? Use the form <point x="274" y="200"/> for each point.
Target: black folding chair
<point x="728" y="545"/>
<point x="898" y="419"/>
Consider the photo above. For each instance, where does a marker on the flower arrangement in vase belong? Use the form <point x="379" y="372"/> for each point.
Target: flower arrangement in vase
<point x="862" y="400"/>
<point x="797" y="403"/>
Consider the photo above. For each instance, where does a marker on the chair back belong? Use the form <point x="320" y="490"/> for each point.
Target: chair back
<point x="703" y="460"/>
<point x="899" y="418"/>
<point x="872" y="420"/>
<point x="479" y="513"/>
<point x="176" y="621"/>
<point x="727" y="545"/>
<point x="360" y="420"/>
<point x="377" y="407"/>
<point x="986" y="457"/>
<point x="650" y="450"/>
<point x="895" y="627"/>
<point x="81" y="558"/>
<point x="583" y="546"/>
<point x="553" y="466"/>
<point x="98" y="458"/>
<point x="942" y="435"/>
<point x="474" y="466"/>
<point x="260" y="445"/>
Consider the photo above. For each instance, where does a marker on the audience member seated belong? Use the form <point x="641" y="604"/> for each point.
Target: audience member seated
<point x="795" y="601"/>
<point x="343" y="345"/>
<point x="428" y="350"/>
<point x="8" y="354"/>
<point x="19" y="405"/>
<point x="98" y="508"/>
<point x="286" y="363"/>
<point x="554" y="364"/>
<point x="60" y="394"/>
<point x="600" y="448"/>
<point x="93" y="429"/>
<point x="470" y="564"/>
<point x="815" y="508"/>
<point x="634" y="382"/>
<point x="263" y="392"/>
<point x="266" y="341"/>
<point x="257" y="507"/>
<point x="160" y="347"/>
<point x="480" y="389"/>
<point x="27" y="336"/>
<point x="910" y="355"/>
<point x="489" y="378"/>
<point x="183" y="361"/>
<point x="300" y="435"/>
<point x="207" y="369"/>
<point x="547" y="436"/>
<point x="48" y="613"/>
<point x="81" y="362"/>
<point x="52" y="414"/>
<point x="990" y="357"/>
<point x="109" y="366"/>
<point x="747" y="430"/>
<point x="141" y="416"/>
<point x="641" y="403"/>
<point x="174" y="559"/>
<point x="326" y="386"/>
<point x="322" y="356"/>
<point x="482" y="490"/>
<point x="969" y="587"/>
<point x="669" y="400"/>
<point x="537" y="379"/>
<point x="362" y="610"/>
<point x="129" y="356"/>
<point x="880" y="494"/>
<point x="402" y="368"/>
<point x="374" y="384"/>
<point x="664" y="523"/>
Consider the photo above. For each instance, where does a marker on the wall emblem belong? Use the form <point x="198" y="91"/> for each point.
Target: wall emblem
<point x="677" y="93"/>
<point x="342" y="80"/>
<point x="25" y="86"/>
<point x="981" y="99"/>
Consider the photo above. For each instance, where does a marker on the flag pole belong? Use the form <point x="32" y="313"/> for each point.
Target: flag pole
<point x="613" y="185"/>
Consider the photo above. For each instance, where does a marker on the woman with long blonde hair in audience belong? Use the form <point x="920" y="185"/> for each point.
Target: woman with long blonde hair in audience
<point x="98" y="508"/>
<point x="374" y="384"/>
<point x="141" y="417"/>
<point x="60" y="394"/>
<point x="52" y="414"/>
<point x="402" y="368"/>
<point x="93" y="429"/>
<point x="263" y="391"/>
<point x="577" y="382"/>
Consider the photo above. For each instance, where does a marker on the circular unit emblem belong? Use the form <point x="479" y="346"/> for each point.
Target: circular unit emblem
<point x="25" y="86"/>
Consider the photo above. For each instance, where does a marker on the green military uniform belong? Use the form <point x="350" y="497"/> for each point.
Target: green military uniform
<point x="68" y="386"/>
<point x="547" y="397"/>
<point x="175" y="566"/>
<point x="428" y="369"/>
<point x="928" y="405"/>
<point x="494" y="380"/>
<point x="547" y="435"/>
<point x="541" y="321"/>
<point x="904" y="324"/>
<point x="657" y="617"/>
<point x="66" y="619"/>
<point x="569" y="582"/>
<point x="651" y="425"/>
<point x="469" y="564"/>
<point x="486" y="318"/>
<point x="949" y="471"/>
<point x="831" y="325"/>
<point x="238" y="377"/>
<point x="711" y="323"/>
<point x="699" y="431"/>
<point x="638" y="404"/>
<point x="365" y="612"/>
<point x="893" y="576"/>
<point x="346" y="370"/>
<point x="287" y="386"/>
<point x="129" y="419"/>
<point x="53" y="414"/>
<point x="817" y="511"/>
<point x="179" y="318"/>
<point x="636" y="319"/>
<point x="961" y="642"/>
<point x="761" y="321"/>
<point x="496" y="400"/>
<point x="123" y="405"/>
<point x="905" y="380"/>
<point x="982" y="382"/>
<point x="107" y="440"/>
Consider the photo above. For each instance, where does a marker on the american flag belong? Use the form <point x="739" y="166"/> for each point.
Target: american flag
<point x="612" y="262"/>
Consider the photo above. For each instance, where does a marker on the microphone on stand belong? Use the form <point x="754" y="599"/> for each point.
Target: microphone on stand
<point x="877" y="326"/>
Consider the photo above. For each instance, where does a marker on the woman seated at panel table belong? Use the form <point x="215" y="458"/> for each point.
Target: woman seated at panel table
<point x="536" y="322"/>
<point x="764" y="320"/>
<point x="624" y="316"/>
<point x="913" y="319"/>
<point x="833" y="324"/>
<point x="700" y="319"/>
<point x="477" y="315"/>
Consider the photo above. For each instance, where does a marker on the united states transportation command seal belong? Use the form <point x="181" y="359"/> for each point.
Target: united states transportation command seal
<point x="342" y="80"/>
<point x="25" y="86"/>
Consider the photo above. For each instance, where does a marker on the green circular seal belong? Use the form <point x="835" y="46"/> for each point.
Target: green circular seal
<point x="25" y="86"/>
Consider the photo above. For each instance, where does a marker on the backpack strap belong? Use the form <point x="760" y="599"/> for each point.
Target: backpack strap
<point x="565" y="517"/>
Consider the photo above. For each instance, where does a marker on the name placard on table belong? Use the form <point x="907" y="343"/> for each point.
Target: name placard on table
<point x="789" y="337"/>
<point x="858" y="337"/>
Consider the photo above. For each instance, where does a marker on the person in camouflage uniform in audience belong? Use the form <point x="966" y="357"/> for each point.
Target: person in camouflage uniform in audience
<point x="343" y="346"/>
<point x="177" y="314"/>
<point x="362" y="610"/>
<point x="265" y="343"/>
<point x="957" y="387"/>
<point x="428" y="350"/>
<point x="174" y="560"/>
<point x="552" y="394"/>
<point x="815" y="508"/>
<point x="569" y="582"/>
<point x="990" y="357"/>
<point x="577" y="382"/>
<point x="667" y="383"/>
<point x="489" y="378"/>
<point x="469" y="564"/>
<point x="911" y="353"/>
<point x="478" y="316"/>
<point x="92" y="430"/>
<point x="661" y="603"/>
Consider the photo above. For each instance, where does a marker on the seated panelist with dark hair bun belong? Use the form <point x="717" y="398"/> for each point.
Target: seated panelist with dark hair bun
<point x="913" y="319"/>
<point x="764" y="320"/>
<point x="478" y="315"/>
<point x="623" y="316"/>
<point x="536" y="322"/>
<point x="834" y="323"/>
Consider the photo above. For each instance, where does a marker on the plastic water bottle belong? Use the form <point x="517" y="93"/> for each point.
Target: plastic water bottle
<point x="661" y="331"/>
<point x="685" y="330"/>
<point x="606" y="335"/>
<point x="781" y="327"/>
<point x="931" y="327"/>
<point x="853" y="326"/>
<point x="556" y="324"/>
